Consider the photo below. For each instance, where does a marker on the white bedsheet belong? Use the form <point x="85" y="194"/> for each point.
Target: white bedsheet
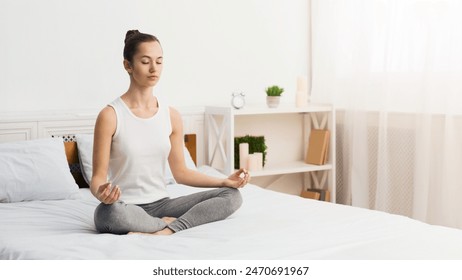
<point x="269" y="225"/>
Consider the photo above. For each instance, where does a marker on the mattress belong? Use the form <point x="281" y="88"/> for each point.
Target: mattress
<point x="269" y="225"/>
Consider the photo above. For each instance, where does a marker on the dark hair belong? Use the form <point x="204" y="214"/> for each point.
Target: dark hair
<point x="133" y="38"/>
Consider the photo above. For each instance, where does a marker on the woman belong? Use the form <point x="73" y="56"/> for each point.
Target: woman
<point x="134" y="137"/>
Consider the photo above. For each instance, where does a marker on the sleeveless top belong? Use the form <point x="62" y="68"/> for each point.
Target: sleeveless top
<point x="139" y="153"/>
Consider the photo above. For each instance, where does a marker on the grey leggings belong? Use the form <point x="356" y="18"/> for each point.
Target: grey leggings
<point x="190" y="210"/>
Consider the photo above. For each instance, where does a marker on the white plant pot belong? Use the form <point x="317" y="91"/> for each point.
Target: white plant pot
<point x="272" y="101"/>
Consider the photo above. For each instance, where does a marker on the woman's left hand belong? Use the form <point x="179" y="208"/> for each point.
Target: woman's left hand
<point x="238" y="179"/>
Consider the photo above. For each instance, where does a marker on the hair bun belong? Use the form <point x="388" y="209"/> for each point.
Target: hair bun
<point x="130" y="34"/>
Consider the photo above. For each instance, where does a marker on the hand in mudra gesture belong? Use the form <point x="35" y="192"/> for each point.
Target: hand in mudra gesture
<point x="238" y="179"/>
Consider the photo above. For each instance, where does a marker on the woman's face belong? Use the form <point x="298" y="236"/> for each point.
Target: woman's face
<point x="146" y="66"/>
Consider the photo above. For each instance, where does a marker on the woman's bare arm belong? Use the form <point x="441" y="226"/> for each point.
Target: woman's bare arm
<point x="105" y="127"/>
<point x="184" y="175"/>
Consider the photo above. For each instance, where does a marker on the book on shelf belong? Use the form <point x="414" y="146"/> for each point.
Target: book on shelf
<point x="317" y="194"/>
<point x="318" y="145"/>
<point x="310" y="195"/>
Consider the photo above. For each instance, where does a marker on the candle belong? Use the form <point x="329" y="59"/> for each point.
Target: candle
<point x="301" y="96"/>
<point x="252" y="163"/>
<point x="259" y="157"/>
<point x="302" y="84"/>
<point x="301" y="99"/>
<point x="243" y="155"/>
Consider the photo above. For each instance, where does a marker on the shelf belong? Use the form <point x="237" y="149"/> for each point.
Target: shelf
<point x="289" y="168"/>
<point x="286" y="136"/>
<point x="264" y="110"/>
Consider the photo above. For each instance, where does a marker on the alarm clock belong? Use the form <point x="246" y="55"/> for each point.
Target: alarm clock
<point x="238" y="100"/>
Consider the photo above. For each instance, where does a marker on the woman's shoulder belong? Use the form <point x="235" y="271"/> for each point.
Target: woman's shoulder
<point x="175" y="118"/>
<point x="164" y="103"/>
<point x="174" y="113"/>
<point x="173" y="110"/>
<point x="106" y="122"/>
<point x="107" y="114"/>
<point x="109" y="110"/>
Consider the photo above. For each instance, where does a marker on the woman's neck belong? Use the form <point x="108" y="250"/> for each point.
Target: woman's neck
<point x="140" y="95"/>
<point x="140" y="99"/>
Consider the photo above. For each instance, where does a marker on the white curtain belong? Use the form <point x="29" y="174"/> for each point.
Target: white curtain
<point x="393" y="70"/>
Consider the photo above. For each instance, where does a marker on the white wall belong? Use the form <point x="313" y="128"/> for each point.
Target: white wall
<point x="62" y="54"/>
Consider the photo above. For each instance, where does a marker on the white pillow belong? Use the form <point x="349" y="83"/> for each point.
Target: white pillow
<point x="35" y="170"/>
<point x="85" y="148"/>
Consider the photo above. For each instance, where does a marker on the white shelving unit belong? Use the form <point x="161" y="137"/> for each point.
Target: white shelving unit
<point x="286" y="130"/>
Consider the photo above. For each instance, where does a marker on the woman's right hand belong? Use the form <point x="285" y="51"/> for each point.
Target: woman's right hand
<point x="108" y="194"/>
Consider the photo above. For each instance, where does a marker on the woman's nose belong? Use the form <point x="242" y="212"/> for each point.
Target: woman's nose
<point x="152" y="67"/>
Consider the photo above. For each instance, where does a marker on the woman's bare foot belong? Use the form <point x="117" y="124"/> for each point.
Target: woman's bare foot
<point x="165" y="231"/>
<point x="138" y="232"/>
<point x="168" y="220"/>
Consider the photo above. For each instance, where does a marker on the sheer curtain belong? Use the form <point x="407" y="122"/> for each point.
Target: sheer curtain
<point x="393" y="70"/>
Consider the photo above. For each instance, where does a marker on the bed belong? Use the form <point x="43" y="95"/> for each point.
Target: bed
<point x="269" y="225"/>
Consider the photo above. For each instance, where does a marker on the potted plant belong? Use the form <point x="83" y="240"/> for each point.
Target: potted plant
<point x="273" y="96"/>
<point x="256" y="145"/>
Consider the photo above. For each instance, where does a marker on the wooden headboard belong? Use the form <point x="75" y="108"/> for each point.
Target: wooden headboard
<point x="73" y="157"/>
<point x="190" y="143"/>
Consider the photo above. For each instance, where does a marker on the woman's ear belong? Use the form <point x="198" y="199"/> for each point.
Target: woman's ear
<point x="128" y="66"/>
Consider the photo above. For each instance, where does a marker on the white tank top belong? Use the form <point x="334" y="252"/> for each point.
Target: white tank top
<point x="139" y="153"/>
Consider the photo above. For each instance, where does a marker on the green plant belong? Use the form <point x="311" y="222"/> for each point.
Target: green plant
<point x="256" y="145"/>
<point x="274" y="91"/>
